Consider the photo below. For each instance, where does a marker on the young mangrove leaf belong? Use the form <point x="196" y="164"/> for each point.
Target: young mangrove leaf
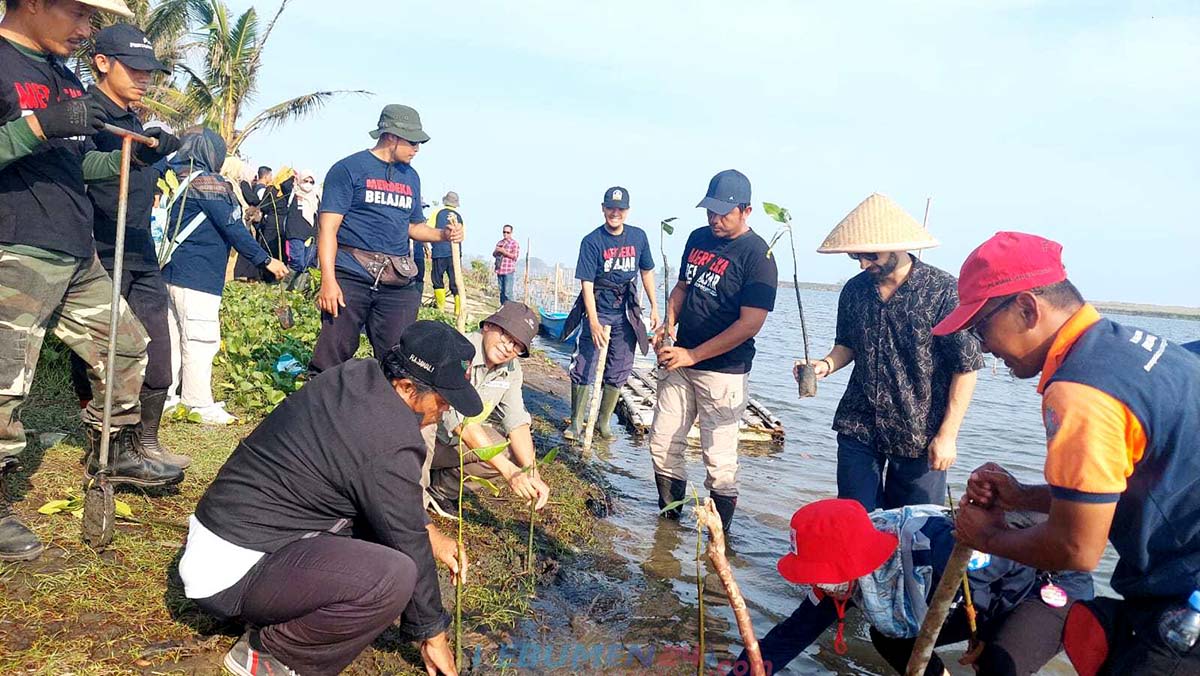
<point x="488" y="452"/>
<point x="55" y="506"/>
<point x="549" y="457"/>
<point x="487" y="484"/>
<point x="667" y="227"/>
<point x="674" y="505"/>
<point x="483" y="415"/>
<point x="777" y="212"/>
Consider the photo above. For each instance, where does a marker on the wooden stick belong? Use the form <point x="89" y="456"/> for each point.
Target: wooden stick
<point x="456" y="256"/>
<point x="939" y="609"/>
<point x="557" y="290"/>
<point x="528" y="243"/>
<point x="710" y="519"/>
<point x="597" y="388"/>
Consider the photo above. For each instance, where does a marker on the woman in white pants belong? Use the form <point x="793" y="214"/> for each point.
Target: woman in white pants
<point x="204" y="222"/>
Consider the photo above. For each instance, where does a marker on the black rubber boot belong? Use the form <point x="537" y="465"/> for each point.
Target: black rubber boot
<point x="126" y="464"/>
<point x="670" y="490"/>
<point x="17" y="542"/>
<point x="152" y="408"/>
<point x="578" y="412"/>
<point x="725" y="505"/>
<point x="608" y="405"/>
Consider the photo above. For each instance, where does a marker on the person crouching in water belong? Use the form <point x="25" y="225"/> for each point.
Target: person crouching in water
<point x="888" y="564"/>
<point x="611" y="258"/>
<point x="270" y="542"/>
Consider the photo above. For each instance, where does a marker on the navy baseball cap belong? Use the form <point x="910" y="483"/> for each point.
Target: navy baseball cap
<point x="129" y="45"/>
<point x="438" y="356"/>
<point x="726" y="190"/>
<point x="616" y="198"/>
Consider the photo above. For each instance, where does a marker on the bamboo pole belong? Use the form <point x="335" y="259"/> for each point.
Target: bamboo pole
<point x="939" y="609"/>
<point x="597" y="388"/>
<point x="557" y="284"/>
<point x="528" y="243"/>
<point x="460" y="318"/>
<point x="925" y="222"/>
<point x="710" y="519"/>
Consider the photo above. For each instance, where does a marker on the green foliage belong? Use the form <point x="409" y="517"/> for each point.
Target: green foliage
<point x="74" y="506"/>
<point x="667" y="227"/>
<point x="777" y="212"/>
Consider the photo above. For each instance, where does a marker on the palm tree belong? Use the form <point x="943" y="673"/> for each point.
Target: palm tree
<point x="217" y="96"/>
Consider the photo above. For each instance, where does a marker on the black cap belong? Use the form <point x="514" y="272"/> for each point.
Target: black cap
<point x="518" y="321"/>
<point x="616" y="197"/>
<point x="129" y="45"/>
<point x="435" y="354"/>
<point x="726" y="190"/>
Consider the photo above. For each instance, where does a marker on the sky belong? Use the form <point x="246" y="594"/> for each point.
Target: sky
<point x="1074" y="120"/>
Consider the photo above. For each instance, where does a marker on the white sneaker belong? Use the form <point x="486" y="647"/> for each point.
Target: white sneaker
<point x="214" y="415"/>
<point x="169" y="406"/>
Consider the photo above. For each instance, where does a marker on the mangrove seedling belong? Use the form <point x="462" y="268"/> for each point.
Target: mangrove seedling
<point x="549" y="458"/>
<point x="807" y="376"/>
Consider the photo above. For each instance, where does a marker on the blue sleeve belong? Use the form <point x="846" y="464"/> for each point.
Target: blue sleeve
<point x="587" y="268"/>
<point x="339" y="190"/>
<point x="646" y="259"/>
<point x="790" y="637"/>
<point x="227" y="219"/>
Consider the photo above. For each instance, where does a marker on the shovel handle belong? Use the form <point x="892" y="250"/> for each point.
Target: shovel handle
<point x="134" y="136"/>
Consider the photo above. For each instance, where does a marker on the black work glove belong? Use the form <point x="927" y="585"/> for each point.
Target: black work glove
<point x="167" y="144"/>
<point x="75" y="117"/>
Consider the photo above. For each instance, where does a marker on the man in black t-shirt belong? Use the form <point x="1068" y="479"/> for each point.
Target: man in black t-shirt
<point x="726" y="288"/>
<point x="50" y="278"/>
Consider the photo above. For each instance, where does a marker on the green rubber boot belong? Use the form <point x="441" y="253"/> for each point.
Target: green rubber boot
<point x="608" y="405"/>
<point x="578" y="412"/>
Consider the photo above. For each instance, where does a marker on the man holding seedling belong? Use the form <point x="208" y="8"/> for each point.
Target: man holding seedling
<point x="726" y="288"/>
<point x="899" y="418"/>
<point x="50" y="278"/>
<point x="611" y="258"/>
<point x="496" y="376"/>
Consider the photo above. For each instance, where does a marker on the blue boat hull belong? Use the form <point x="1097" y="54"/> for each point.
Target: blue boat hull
<point x="552" y="324"/>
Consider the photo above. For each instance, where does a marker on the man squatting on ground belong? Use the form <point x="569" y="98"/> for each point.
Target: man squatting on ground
<point x="611" y="257"/>
<point x="898" y="420"/>
<point x="496" y="375"/>
<point x="314" y="533"/>
<point x="442" y="265"/>
<point x="1121" y="408"/>
<point x="371" y="207"/>
<point x="888" y="565"/>
<point x="124" y="62"/>
<point x="726" y="288"/>
<point x="50" y="278"/>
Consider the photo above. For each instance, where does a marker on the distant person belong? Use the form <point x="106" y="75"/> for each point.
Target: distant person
<point x="195" y="269"/>
<point x="611" y="258"/>
<point x="1122" y="429"/>
<point x="370" y="209"/>
<point x="335" y="546"/>
<point x="50" y="278"/>
<point x="899" y="418"/>
<point x="304" y="203"/>
<point x="440" y="254"/>
<point x="124" y="62"/>
<point x="275" y="207"/>
<point x="726" y="288"/>
<point x="506" y="253"/>
<point x="888" y="564"/>
<point x="263" y="180"/>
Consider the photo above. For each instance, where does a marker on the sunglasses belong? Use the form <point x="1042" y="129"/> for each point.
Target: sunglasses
<point x="980" y="326"/>
<point x="868" y="257"/>
<point x="508" y="232"/>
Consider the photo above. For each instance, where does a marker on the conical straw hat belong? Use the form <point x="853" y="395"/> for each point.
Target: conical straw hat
<point x="876" y="225"/>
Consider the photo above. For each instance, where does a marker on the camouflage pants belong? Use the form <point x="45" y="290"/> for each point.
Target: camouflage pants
<point x="40" y="291"/>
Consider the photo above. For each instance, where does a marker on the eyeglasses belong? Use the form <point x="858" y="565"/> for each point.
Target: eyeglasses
<point x="507" y="342"/>
<point x="868" y="257"/>
<point x="980" y="326"/>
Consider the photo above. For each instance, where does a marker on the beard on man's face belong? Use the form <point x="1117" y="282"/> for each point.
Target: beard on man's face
<point x="885" y="268"/>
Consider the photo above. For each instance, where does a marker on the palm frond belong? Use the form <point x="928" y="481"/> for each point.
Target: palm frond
<point x="292" y="109"/>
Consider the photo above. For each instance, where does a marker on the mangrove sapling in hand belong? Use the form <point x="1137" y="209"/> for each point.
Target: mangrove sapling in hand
<point x="806" y="375"/>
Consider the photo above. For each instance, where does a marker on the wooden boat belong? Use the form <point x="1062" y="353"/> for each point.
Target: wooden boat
<point x="635" y="408"/>
<point x="552" y="323"/>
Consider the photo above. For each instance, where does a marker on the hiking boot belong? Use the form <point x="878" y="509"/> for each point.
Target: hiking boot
<point x="608" y="405"/>
<point x="126" y="465"/>
<point x="17" y="542"/>
<point x="725" y="505"/>
<point x="247" y="658"/>
<point x="670" y="490"/>
<point x="578" y="404"/>
<point x="152" y="410"/>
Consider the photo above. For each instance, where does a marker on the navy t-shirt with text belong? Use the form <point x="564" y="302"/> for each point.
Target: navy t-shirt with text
<point x="722" y="277"/>
<point x="611" y="261"/>
<point x="378" y="200"/>
<point x="443" y="249"/>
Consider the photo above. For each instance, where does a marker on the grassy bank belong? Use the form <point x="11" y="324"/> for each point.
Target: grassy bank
<point x="122" y="610"/>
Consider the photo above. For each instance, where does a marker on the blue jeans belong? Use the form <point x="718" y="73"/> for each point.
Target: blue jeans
<point x="882" y="481"/>
<point x="506" y="287"/>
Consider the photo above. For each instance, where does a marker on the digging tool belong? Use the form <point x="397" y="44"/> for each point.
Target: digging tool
<point x="597" y="388"/>
<point x="939" y="609"/>
<point x="966" y="585"/>
<point x="460" y="306"/>
<point x="99" y="504"/>
<point x="808" y="375"/>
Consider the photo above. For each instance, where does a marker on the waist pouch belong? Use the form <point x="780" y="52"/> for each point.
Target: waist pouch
<point x="384" y="269"/>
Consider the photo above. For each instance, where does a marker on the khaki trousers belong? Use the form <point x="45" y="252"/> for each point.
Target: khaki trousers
<point x="716" y="401"/>
<point x="194" y="320"/>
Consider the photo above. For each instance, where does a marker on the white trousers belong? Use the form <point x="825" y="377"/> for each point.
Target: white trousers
<point x="716" y="401"/>
<point x="194" y="318"/>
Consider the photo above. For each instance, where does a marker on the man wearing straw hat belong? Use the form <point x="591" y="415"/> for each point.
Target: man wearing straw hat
<point x="898" y="420"/>
<point x="50" y="278"/>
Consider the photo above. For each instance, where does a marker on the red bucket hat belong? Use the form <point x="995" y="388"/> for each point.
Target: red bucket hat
<point x="834" y="541"/>
<point x="1008" y="263"/>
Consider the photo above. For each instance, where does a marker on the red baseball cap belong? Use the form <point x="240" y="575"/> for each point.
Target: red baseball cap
<point x="1008" y="263"/>
<point x="834" y="541"/>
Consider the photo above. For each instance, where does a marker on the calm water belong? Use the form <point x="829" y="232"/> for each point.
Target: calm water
<point x="1002" y="425"/>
